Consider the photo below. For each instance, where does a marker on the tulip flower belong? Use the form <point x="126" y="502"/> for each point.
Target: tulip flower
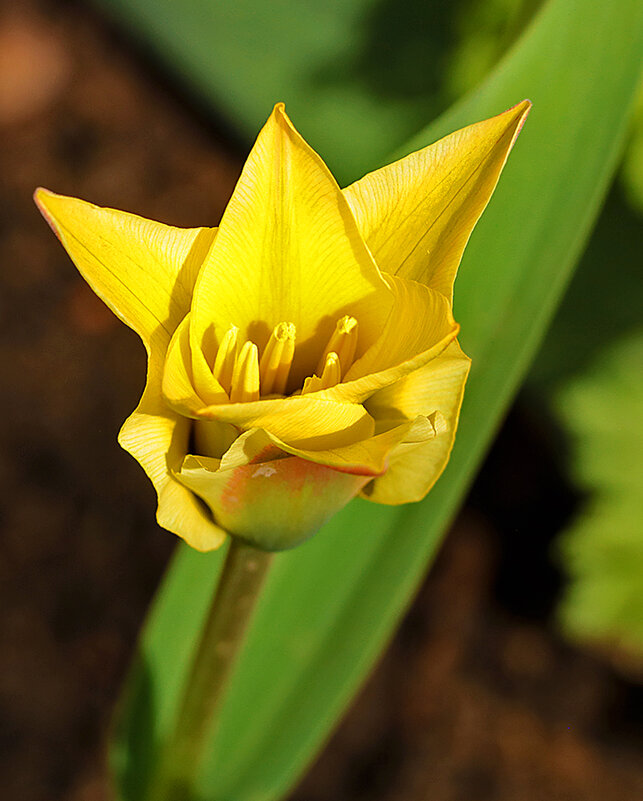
<point x="305" y="351"/>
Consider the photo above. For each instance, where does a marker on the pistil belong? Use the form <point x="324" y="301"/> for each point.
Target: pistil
<point x="277" y="359"/>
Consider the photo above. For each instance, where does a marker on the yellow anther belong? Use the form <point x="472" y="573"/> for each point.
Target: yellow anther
<point x="343" y="342"/>
<point x="277" y="359"/>
<point x="331" y="375"/>
<point x="226" y="358"/>
<point x="245" y="376"/>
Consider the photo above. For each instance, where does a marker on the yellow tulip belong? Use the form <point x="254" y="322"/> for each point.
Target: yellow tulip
<point x="305" y="350"/>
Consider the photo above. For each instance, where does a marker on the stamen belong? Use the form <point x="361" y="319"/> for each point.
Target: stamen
<point x="245" y="377"/>
<point x="277" y="359"/>
<point x="343" y="342"/>
<point x="331" y="375"/>
<point x="332" y="372"/>
<point x="311" y="384"/>
<point x="226" y="358"/>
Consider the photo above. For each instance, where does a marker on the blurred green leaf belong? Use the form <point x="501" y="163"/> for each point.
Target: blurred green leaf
<point x="243" y="57"/>
<point x="331" y="604"/>
<point x="376" y="74"/>
<point x="603" y="548"/>
<point x="632" y="171"/>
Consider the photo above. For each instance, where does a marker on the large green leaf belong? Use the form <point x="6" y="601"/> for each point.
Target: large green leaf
<point x="330" y="606"/>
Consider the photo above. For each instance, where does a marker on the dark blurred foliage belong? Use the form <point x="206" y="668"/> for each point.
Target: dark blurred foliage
<point x="389" y="69"/>
<point x="603" y="302"/>
<point x="407" y="51"/>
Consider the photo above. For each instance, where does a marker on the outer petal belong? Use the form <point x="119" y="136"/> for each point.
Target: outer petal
<point x="275" y="500"/>
<point x="417" y="214"/>
<point x="303" y="422"/>
<point x="158" y="439"/>
<point x="275" y="504"/>
<point x="366" y="458"/>
<point x="288" y="250"/>
<point x="414" y="468"/>
<point x="143" y="270"/>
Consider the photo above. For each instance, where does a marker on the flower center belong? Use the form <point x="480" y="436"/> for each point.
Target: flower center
<point x="246" y="377"/>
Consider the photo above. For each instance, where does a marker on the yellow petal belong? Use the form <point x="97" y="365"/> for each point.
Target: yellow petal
<point x="204" y="380"/>
<point x="178" y="384"/>
<point x="158" y="439"/>
<point x="276" y="500"/>
<point x="288" y="248"/>
<point x="368" y="457"/>
<point x="212" y="438"/>
<point x="143" y="270"/>
<point x="301" y="421"/>
<point x="417" y="214"/>
<point x="419" y="328"/>
<point x="251" y="447"/>
<point x="414" y="468"/>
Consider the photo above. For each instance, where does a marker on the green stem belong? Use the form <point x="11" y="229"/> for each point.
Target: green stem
<point x="221" y="640"/>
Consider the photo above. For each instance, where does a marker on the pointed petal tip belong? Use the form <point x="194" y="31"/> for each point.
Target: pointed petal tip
<point x="44" y="198"/>
<point x="515" y="116"/>
<point x="41" y="197"/>
<point x="522" y="110"/>
<point x="55" y="207"/>
<point x="281" y="118"/>
<point x="278" y="112"/>
<point x="38" y="191"/>
<point x="524" y="105"/>
<point x="278" y="122"/>
<point x="525" y="108"/>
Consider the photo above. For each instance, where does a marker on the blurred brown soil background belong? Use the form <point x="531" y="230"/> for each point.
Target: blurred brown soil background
<point x="478" y="699"/>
